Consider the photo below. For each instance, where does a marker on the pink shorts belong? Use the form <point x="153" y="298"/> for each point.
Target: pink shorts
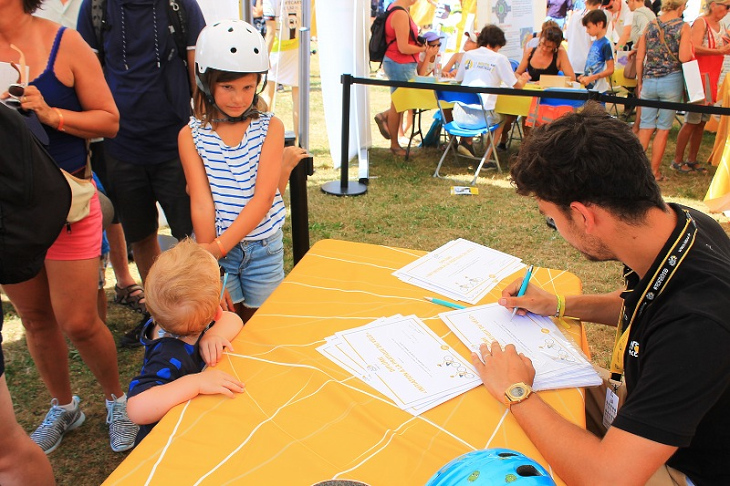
<point x="83" y="241"/>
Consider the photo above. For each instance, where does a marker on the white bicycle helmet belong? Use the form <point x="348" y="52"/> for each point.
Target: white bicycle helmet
<point x="229" y="45"/>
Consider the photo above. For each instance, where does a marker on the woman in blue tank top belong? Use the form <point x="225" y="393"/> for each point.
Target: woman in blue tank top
<point x="68" y="93"/>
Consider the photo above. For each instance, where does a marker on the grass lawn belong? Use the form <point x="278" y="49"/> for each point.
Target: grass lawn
<point x="404" y="207"/>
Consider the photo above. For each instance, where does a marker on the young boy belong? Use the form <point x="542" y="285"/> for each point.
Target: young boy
<point x="188" y="330"/>
<point x="599" y="64"/>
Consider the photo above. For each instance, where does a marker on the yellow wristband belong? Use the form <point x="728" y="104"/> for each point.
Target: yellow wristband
<point x="560" y="311"/>
<point x="60" y="120"/>
<point x="220" y="247"/>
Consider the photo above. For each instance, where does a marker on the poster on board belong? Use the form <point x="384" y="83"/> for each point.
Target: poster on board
<point x="516" y="19"/>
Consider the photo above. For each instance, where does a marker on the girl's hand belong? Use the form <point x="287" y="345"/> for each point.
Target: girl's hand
<point x="214" y="382"/>
<point x="211" y="348"/>
<point x="227" y="302"/>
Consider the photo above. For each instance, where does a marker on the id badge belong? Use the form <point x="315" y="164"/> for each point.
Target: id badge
<point x="610" y="409"/>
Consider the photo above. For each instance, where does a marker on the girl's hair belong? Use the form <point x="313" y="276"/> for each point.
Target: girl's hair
<point x="182" y="290"/>
<point x="552" y="34"/>
<point x="204" y="109"/>
<point x="669" y="5"/>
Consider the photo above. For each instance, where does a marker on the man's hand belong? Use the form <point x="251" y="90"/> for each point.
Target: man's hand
<point x="499" y="368"/>
<point x="535" y="300"/>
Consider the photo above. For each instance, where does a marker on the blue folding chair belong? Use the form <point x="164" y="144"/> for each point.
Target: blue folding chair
<point x="453" y="130"/>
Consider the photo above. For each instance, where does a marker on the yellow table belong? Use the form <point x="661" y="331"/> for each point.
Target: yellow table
<point x="302" y="419"/>
<point x="515" y="105"/>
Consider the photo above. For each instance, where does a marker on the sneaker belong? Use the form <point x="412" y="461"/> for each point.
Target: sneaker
<point x="58" y="421"/>
<point x="122" y="431"/>
<point x="466" y="149"/>
<point x="132" y="338"/>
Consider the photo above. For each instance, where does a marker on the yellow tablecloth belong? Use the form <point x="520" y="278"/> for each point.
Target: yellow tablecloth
<point x="302" y="419"/>
<point x="515" y="105"/>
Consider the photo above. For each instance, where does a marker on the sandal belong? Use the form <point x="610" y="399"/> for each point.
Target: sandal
<point x="695" y="166"/>
<point x="125" y="296"/>
<point x="681" y="167"/>
<point x="382" y="123"/>
<point x="399" y="151"/>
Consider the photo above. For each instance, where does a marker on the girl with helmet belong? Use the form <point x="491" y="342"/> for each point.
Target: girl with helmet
<point x="232" y="155"/>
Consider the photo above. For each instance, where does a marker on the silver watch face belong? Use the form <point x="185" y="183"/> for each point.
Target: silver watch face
<point x="518" y="392"/>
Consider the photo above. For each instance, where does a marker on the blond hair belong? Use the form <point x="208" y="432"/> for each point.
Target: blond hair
<point x="183" y="288"/>
<point x="669" y="5"/>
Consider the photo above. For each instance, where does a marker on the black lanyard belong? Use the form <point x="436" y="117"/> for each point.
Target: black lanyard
<point x="671" y="262"/>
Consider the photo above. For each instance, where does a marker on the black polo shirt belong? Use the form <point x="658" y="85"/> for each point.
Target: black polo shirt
<point x="677" y="360"/>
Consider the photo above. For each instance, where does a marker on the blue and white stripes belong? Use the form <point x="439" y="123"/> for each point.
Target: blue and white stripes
<point x="232" y="174"/>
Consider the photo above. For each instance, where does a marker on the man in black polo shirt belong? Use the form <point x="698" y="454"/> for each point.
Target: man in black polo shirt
<point x="589" y="174"/>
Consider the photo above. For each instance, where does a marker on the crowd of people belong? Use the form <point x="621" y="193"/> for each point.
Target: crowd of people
<point x="582" y="41"/>
<point x="219" y="172"/>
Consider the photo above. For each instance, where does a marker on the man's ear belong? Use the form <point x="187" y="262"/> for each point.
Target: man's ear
<point x="584" y="216"/>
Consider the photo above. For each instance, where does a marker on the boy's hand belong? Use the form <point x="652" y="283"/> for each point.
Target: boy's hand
<point x="535" y="300"/>
<point x="211" y="348"/>
<point x="214" y="382"/>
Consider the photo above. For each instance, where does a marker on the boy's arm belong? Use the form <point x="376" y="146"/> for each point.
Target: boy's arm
<point x="152" y="404"/>
<point x="219" y="337"/>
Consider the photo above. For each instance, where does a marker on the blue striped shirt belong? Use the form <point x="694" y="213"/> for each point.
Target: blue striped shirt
<point x="232" y="174"/>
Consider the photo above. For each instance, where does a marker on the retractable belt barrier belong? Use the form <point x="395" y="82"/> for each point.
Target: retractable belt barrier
<point x="347" y="188"/>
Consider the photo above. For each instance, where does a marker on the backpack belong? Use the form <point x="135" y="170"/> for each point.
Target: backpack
<point x="30" y="220"/>
<point x="177" y="22"/>
<point x="378" y="44"/>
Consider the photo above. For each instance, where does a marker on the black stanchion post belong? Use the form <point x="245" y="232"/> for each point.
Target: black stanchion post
<point x="299" y="205"/>
<point x="344" y="187"/>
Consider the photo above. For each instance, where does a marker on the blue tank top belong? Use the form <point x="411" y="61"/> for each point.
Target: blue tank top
<point x="68" y="151"/>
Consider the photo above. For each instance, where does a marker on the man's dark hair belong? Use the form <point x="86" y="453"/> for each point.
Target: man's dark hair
<point x="30" y="6"/>
<point x="491" y="36"/>
<point x="588" y="157"/>
<point x="595" y="17"/>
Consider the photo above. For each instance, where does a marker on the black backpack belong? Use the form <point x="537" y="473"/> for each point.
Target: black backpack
<point x="34" y="200"/>
<point x="177" y="21"/>
<point x="378" y="44"/>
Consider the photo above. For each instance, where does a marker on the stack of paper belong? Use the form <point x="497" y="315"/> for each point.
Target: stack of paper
<point x="404" y="360"/>
<point x="460" y="269"/>
<point x="558" y="363"/>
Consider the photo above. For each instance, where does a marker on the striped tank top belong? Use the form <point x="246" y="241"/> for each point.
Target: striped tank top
<point x="232" y="174"/>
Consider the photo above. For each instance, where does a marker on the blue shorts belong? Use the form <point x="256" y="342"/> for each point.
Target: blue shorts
<point x="255" y="269"/>
<point x="666" y="88"/>
<point x="399" y="72"/>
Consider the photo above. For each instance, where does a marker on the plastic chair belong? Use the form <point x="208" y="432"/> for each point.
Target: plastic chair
<point x="454" y="130"/>
<point x="515" y="64"/>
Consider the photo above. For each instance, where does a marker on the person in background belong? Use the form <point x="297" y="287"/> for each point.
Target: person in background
<point x="590" y="174"/>
<point x="549" y="58"/>
<point x="620" y="23"/>
<point x="599" y="64"/>
<point x="710" y="42"/>
<point x="557" y="11"/>
<point x="579" y="42"/>
<point x="400" y="64"/>
<point x="68" y="94"/>
<point x="486" y="67"/>
<point x="430" y="58"/>
<point x="452" y="66"/>
<point x="188" y="330"/>
<point x="662" y="49"/>
<point x="641" y="17"/>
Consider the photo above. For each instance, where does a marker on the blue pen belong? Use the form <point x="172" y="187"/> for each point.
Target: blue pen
<point x="444" y="303"/>
<point x="523" y="288"/>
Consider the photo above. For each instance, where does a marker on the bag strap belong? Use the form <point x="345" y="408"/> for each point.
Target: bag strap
<point x="664" y="41"/>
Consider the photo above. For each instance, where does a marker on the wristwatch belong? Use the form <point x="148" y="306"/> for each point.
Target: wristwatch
<point x="517" y="393"/>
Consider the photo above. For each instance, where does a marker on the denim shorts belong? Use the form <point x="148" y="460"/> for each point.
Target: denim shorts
<point x="255" y="269"/>
<point x="397" y="71"/>
<point x="666" y="88"/>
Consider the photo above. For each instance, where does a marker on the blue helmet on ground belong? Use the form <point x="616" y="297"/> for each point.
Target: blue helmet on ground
<point x="492" y="467"/>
